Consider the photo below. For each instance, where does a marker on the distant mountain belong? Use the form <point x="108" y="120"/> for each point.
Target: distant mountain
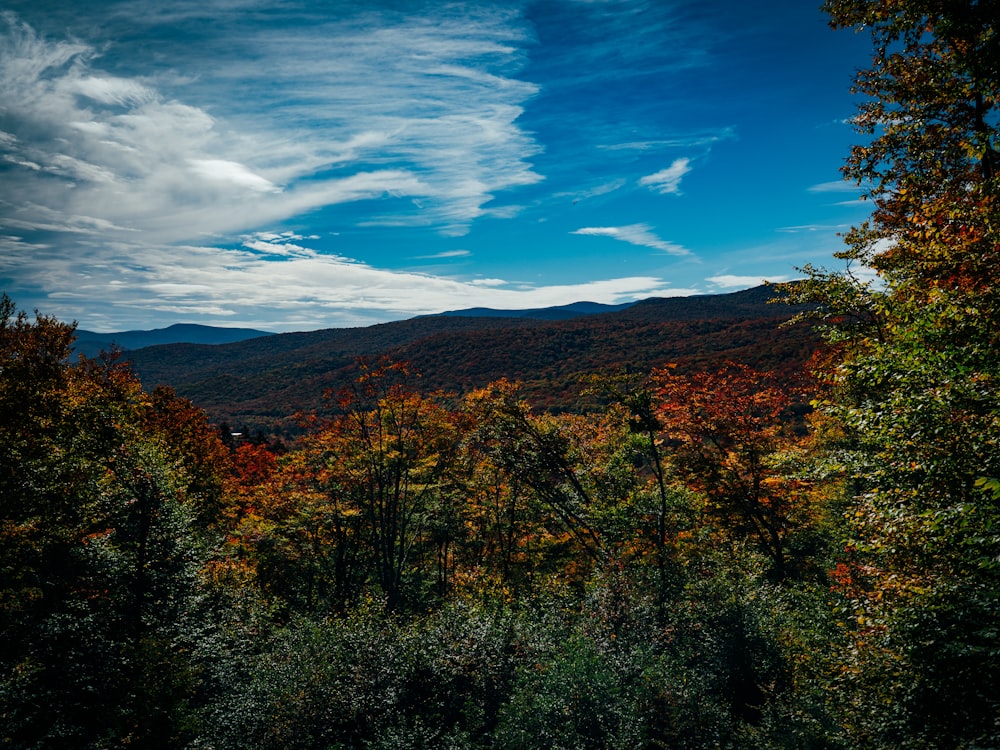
<point x="560" y="312"/>
<point x="261" y="383"/>
<point x="91" y="343"/>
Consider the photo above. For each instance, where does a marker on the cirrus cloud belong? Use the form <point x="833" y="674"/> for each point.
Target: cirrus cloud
<point x="732" y="281"/>
<point x="276" y="281"/>
<point x="668" y="181"/>
<point x="434" y="121"/>
<point x="635" y="234"/>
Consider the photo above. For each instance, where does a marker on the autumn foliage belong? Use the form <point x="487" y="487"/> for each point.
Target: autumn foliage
<point x="712" y="555"/>
<point x="144" y="551"/>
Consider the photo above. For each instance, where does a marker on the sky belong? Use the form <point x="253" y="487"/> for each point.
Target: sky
<point x="301" y="164"/>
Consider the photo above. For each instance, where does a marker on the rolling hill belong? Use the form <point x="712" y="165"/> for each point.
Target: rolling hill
<point x="91" y="343"/>
<point x="261" y="383"/>
<point x="560" y="312"/>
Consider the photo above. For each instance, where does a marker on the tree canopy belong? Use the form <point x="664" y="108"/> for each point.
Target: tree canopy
<point x="914" y="375"/>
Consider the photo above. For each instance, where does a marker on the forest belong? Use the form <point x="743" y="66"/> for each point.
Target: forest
<point x="715" y="558"/>
<point x="261" y="385"/>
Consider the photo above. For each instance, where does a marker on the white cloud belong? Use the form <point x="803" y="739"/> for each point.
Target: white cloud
<point x="44" y="219"/>
<point x="827" y="228"/>
<point x="121" y="182"/>
<point x="835" y="186"/>
<point x="230" y="171"/>
<point x="277" y="237"/>
<point x="730" y="281"/>
<point x="446" y="254"/>
<point x="596" y="191"/>
<point x="635" y="234"/>
<point x="668" y="181"/>
<point x="111" y="90"/>
<point x="693" y="140"/>
<point x="298" y="286"/>
<point x="336" y="120"/>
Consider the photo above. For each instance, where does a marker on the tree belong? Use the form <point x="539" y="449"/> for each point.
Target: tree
<point x="931" y="164"/>
<point x="389" y="455"/>
<point x="500" y="522"/>
<point x="546" y="455"/>
<point x="661" y="500"/>
<point x="198" y="447"/>
<point x="97" y="557"/>
<point x="915" y="388"/>
<point x="727" y="429"/>
<point x="290" y="533"/>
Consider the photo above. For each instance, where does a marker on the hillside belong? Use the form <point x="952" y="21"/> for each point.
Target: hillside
<point x="260" y="383"/>
<point x="559" y="312"/>
<point x="92" y="343"/>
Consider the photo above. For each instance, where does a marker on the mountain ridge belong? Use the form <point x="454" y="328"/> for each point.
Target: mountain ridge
<point x="261" y="383"/>
<point x="91" y="343"/>
<point x="557" y="312"/>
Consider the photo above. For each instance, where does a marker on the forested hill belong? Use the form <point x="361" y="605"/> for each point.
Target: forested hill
<point x="560" y="312"/>
<point x="92" y="343"/>
<point x="260" y="383"/>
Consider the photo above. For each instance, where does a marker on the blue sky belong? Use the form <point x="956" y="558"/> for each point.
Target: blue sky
<point x="317" y="163"/>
